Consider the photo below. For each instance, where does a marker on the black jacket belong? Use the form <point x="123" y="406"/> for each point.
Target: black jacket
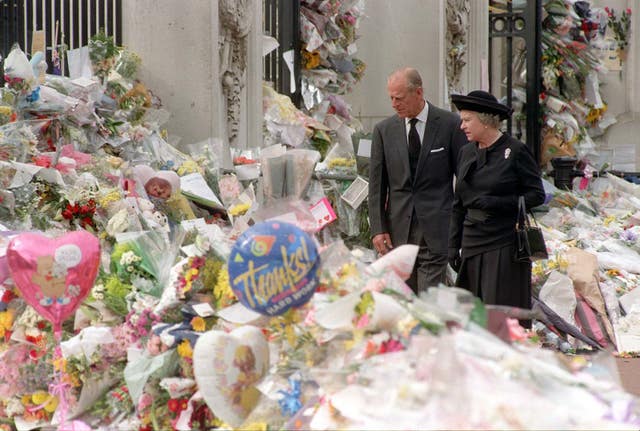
<point x="489" y="182"/>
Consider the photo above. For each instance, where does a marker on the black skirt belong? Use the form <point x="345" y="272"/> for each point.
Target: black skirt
<point x="496" y="278"/>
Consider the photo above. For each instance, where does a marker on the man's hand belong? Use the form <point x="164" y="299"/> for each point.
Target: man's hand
<point x="382" y="243"/>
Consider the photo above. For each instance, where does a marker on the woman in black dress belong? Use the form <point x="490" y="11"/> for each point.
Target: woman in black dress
<point x="493" y="171"/>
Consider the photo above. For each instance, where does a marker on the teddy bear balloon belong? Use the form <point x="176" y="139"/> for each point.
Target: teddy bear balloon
<point x="54" y="275"/>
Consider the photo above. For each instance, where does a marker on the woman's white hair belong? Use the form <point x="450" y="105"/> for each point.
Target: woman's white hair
<point x="491" y="120"/>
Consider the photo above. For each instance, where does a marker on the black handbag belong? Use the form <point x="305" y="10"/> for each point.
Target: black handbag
<point x="530" y="245"/>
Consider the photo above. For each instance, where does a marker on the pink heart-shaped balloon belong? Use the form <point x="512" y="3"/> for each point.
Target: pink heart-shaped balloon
<point x="54" y="275"/>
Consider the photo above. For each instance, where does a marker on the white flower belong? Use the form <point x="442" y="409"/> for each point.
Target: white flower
<point x="14" y="407"/>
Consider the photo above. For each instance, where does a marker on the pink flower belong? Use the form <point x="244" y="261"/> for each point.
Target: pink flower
<point x="391" y="345"/>
<point x="145" y="401"/>
<point x="516" y="332"/>
<point x="42" y="161"/>
<point x="362" y="322"/>
<point x="154" y="345"/>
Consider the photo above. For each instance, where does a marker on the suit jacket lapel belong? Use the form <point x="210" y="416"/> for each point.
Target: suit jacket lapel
<point x="430" y="136"/>
<point x="399" y="133"/>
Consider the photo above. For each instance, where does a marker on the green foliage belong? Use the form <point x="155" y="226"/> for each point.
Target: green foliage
<point x="115" y="295"/>
<point x="102" y="47"/>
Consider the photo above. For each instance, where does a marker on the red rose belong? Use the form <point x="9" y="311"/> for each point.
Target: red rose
<point x="86" y="222"/>
<point x="173" y="405"/>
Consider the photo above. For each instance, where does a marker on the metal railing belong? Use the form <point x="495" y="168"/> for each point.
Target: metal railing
<point x="281" y="20"/>
<point x="506" y="26"/>
<point x="69" y="23"/>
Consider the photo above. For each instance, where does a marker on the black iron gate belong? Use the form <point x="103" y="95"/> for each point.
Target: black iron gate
<point x="76" y="22"/>
<point x="281" y="20"/>
<point x="507" y="23"/>
<point x="11" y="24"/>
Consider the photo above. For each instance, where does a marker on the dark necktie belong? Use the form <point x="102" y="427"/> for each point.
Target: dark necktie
<point x="414" y="146"/>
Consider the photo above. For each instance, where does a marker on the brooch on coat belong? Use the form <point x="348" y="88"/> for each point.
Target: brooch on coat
<point x="507" y="153"/>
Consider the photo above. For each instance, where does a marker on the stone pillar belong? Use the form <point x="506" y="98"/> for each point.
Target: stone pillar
<point x="253" y="100"/>
<point x="240" y="68"/>
<point x="182" y="64"/>
<point x="477" y="48"/>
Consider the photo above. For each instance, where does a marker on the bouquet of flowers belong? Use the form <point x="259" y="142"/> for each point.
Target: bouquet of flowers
<point x="620" y="27"/>
<point x="103" y="54"/>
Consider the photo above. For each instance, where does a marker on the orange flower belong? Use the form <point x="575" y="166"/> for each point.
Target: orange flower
<point x="198" y="324"/>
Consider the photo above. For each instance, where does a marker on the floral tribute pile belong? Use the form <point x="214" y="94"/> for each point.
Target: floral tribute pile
<point x="329" y="65"/>
<point x="574" y="114"/>
<point x="593" y="268"/>
<point x="211" y="307"/>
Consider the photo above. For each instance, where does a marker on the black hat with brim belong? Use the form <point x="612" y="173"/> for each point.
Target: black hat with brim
<point x="481" y="101"/>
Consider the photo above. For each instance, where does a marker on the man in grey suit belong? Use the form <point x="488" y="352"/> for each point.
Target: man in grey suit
<point x="413" y="160"/>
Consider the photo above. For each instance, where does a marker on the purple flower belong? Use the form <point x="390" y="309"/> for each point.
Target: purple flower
<point x="628" y="236"/>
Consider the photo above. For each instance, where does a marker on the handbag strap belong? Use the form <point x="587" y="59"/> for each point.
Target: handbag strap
<point x="522" y="213"/>
<point x="524" y="216"/>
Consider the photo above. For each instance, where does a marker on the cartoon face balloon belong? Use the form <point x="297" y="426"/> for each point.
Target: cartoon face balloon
<point x="273" y="266"/>
<point x="227" y="368"/>
<point x="54" y="275"/>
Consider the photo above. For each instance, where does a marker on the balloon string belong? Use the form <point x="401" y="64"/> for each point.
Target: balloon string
<point x="59" y="388"/>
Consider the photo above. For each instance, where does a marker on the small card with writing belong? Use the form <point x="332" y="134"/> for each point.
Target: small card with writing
<point x="356" y="193"/>
<point x="323" y="212"/>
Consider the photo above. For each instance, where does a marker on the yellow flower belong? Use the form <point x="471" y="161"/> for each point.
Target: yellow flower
<point x="190" y="274"/>
<point x="51" y="405"/>
<point x="188" y="167"/>
<point x="60" y="364"/>
<point x="255" y="426"/>
<point x="613" y="272"/>
<point x="222" y="290"/>
<point x="41" y="397"/>
<point x="290" y="334"/>
<point x="185" y="350"/>
<point x="6" y="321"/>
<point x="537" y="269"/>
<point x="109" y="198"/>
<point x="348" y="270"/>
<point x="5" y="110"/>
<point x="608" y="220"/>
<point x="341" y="162"/>
<point x="239" y="209"/>
<point x="198" y="324"/>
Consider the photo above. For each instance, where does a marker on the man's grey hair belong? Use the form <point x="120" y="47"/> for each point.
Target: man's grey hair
<point x="410" y="74"/>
